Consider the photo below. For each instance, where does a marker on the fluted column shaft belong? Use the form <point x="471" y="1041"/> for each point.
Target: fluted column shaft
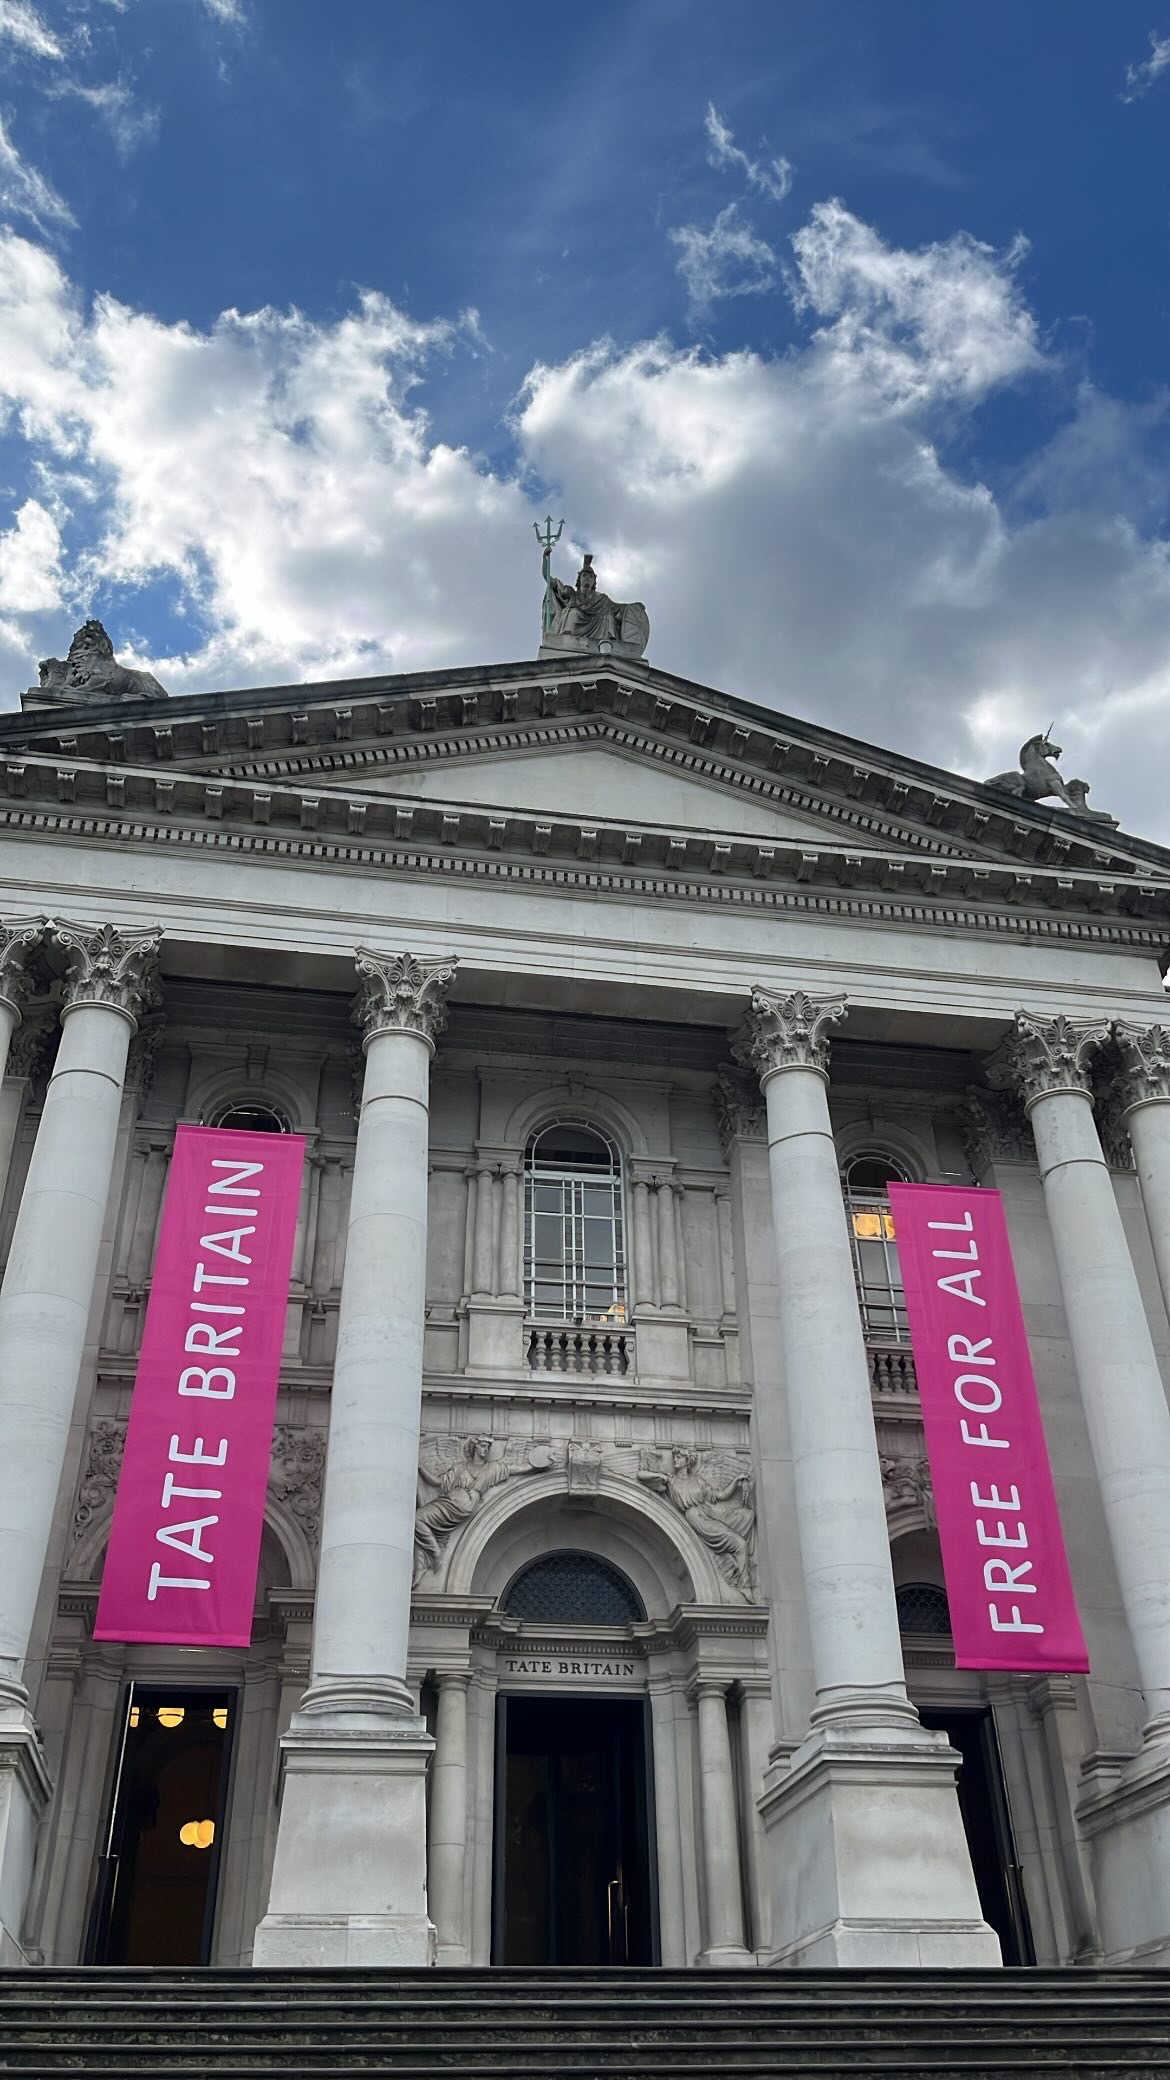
<point x="447" y="1815"/>
<point x="509" y="1279"/>
<point x="668" y="1278"/>
<point x="362" y="1617"/>
<point x="1145" y="1095"/>
<point x="723" y="1888"/>
<point x="1121" y="1388"/>
<point x="48" y="1283"/>
<point x="840" y="1504"/>
<point x="483" y="1260"/>
<point x="643" y="1255"/>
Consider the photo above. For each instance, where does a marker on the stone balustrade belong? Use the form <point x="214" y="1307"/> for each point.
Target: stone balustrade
<point x="594" y="1351"/>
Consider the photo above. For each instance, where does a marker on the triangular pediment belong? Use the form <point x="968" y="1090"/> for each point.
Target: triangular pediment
<point x="586" y="775"/>
<point x="557" y="756"/>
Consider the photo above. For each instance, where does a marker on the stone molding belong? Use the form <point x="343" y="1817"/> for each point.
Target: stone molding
<point x="787" y="1032"/>
<point x="431" y="839"/>
<point x="1043" y="1056"/>
<point x="297" y="1474"/>
<point x="739" y="1106"/>
<point x="111" y="967"/>
<point x="1144" y="1075"/>
<point x="17" y="941"/>
<point x="401" y="993"/>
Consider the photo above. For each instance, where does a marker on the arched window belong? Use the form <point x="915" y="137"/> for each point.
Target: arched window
<point x="573" y="1589"/>
<point x="574" y="1231"/>
<point x="866" y="1179"/>
<point x="923" y="1607"/>
<point x="257" y="1117"/>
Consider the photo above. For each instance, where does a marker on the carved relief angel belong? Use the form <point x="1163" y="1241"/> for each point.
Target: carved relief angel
<point x="720" y="1510"/>
<point x="461" y="1474"/>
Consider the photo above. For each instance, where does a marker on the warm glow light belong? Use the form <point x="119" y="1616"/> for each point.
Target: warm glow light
<point x="197" y="1834"/>
<point x="171" y="1715"/>
<point x="871" y="1224"/>
<point x="135" y="1715"/>
<point x="219" y="1714"/>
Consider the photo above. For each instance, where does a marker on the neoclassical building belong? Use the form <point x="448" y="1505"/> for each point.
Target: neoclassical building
<point x="600" y="1614"/>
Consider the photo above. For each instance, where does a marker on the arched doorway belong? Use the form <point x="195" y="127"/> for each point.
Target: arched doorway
<point x="574" y="1876"/>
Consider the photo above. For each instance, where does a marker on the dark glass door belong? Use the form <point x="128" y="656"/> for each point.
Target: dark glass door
<point x="154" y="1897"/>
<point x="987" y="1822"/>
<point x="572" y="1878"/>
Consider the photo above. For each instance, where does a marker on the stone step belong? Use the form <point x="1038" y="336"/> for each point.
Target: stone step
<point x="838" y="2062"/>
<point x="570" y="2021"/>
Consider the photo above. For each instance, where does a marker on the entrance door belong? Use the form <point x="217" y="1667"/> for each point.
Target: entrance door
<point x="987" y="1822"/>
<point x="572" y="1876"/>
<point x="154" y="1900"/>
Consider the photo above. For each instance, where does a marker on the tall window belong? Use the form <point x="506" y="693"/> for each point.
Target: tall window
<point x="866" y="1180"/>
<point x="574" y="1235"/>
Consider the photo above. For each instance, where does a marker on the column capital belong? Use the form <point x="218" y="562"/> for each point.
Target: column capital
<point x="787" y="1032"/>
<point x="17" y="941"/>
<point x="1044" y="1056"/>
<point x="1144" y="1075"/>
<point x="739" y="1106"/>
<point x="110" y="967"/>
<point x="994" y="1129"/>
<point x="401" y="993"/>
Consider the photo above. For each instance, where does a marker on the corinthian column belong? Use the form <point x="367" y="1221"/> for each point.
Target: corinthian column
<point x="44" y="1310"/>
<point x="867" y="1808"/>
<point x="1144" y="1089"/>
<point x="1124" y="1400"/>
<point x="349" y="1878"/>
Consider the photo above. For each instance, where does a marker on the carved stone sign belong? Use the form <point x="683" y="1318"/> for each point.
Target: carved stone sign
<point x="567" y="1668"/>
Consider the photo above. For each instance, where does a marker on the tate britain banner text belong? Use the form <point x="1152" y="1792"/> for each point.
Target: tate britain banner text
<point x="1008" y="1584"/>
<point x="185" y="1543"/>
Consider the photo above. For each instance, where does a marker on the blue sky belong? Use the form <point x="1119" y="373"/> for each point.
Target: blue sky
<point x="837" y="331"/>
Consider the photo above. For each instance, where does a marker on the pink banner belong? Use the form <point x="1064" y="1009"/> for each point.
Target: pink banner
<point x="185" y="1542"/>
<point x="1008" y="1584"/>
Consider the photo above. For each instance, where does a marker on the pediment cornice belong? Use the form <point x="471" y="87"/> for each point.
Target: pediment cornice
<point x="347" y="731"/>
<point x="154" y="808"/>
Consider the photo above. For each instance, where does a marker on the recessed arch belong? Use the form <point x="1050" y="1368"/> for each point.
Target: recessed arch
<point x="562" y="1101"/>
<point x="213" y="1094"/>
<point x="297" y="1557"/>
<point x="633" y="1528"/>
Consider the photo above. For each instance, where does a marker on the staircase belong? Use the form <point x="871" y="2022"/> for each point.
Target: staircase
<point x="582" y="2025"/>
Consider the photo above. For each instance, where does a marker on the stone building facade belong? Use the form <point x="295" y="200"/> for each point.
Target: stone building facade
<point x="600" y="1613"/>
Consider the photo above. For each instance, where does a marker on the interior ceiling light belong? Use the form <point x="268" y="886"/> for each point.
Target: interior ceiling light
<point x="197" y="1834"/>
<point x="219" y="1713"/>
<point x="171" y="1715"/>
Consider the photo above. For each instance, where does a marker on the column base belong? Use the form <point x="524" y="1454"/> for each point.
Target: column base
<point x="25" y="1790"/>
<point x="868" y="1857"/>
<point x="1124" y="1813"/>
<point x="349" y="1877"/>
<point x="731" y="1957"/>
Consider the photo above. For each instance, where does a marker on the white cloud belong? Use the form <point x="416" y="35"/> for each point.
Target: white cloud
<point x="113" y="101"/>
<point x="1140" y="78"/>
<point x="26" y="193"/>
<point x="30" y="562"/>
<point x="231" y="11"/>
<point x="21" y="25"/>
<point x="793" y="523"/>
<point x="773" y="177"/>
<point x="727" y="260"/>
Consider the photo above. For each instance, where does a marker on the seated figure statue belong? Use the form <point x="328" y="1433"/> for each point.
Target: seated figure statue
<point x="579" y="617"/>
